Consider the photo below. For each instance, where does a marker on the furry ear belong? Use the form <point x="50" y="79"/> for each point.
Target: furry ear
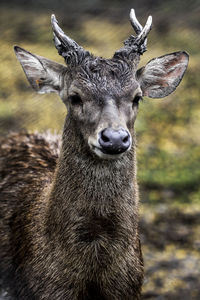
<point x="162" y="75"/>
<point x="43" y="74"/>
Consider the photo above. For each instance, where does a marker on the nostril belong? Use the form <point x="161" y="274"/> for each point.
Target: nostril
<point x="104" y="138"/>
<point x="125" y="140"/>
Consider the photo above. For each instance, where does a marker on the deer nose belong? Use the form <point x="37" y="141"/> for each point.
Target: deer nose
<point x="114" y="141"/>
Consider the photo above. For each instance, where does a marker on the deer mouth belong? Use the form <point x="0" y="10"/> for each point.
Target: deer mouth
<point x="100" y="152"/>
<point x="96" y="148"/>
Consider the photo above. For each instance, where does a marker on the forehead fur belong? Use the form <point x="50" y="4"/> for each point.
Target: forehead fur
<point x="106" y="74"/>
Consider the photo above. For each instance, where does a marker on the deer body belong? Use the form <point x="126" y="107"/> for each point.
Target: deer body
<point x="83" y="245"/>
<point x="70" y="224"/>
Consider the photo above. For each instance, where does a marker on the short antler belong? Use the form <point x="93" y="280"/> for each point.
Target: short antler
<point x="68" y="48"/>
<point x="135" y="45"/>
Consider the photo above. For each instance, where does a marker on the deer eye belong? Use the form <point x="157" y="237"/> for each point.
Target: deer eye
<point x="75" y="100"/>
<point x="136" y="100"/>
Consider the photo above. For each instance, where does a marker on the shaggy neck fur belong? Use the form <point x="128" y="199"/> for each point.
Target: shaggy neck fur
<point x="92" y="189"/>
<point x="93" y="217"/>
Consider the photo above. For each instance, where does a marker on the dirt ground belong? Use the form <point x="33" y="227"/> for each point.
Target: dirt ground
<point x="171" y="249"/>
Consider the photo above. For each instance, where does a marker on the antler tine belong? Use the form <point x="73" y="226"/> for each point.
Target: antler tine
<point x="135" y="45"/>
<point x="145" y="31"/>
<point x="67" y="48"/>
<point x="61" y="36"/>
<point x="134" y="22"/>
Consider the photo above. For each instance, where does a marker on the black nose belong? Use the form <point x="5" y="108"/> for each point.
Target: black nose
<point x="114" y="141"/>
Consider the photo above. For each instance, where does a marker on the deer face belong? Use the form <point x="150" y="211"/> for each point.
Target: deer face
<point x="103" y="102"/>
<point x="102" y="95"/>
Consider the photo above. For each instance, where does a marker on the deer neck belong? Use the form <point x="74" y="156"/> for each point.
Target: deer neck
<point x="88" y="188"/>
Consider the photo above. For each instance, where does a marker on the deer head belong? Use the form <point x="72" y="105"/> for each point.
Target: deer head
<point x="102" y="95"/>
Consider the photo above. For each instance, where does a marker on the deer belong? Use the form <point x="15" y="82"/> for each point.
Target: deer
<point x="69" y="209"/>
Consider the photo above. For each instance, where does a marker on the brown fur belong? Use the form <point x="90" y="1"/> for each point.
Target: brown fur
<point x="81" y="241"/>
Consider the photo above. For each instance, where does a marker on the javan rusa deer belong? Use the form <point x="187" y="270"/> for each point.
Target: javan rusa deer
<point x="69" y="220"/>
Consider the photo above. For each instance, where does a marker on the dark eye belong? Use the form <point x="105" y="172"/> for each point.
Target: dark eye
<point x="136" y="100"/>
<point x="75" y="100"/>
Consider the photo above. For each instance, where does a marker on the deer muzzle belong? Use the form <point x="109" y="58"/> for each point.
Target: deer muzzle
<point x="112" y="137"/>
<point x="114" y="141"/>
<point x="111" y="143"/>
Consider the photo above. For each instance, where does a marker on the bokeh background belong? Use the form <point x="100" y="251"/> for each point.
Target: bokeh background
<point x="168" y="130"/>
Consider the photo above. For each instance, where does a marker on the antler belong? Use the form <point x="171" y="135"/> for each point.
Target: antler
<point x="135" y="45"/>
<point x="68" y="48"/>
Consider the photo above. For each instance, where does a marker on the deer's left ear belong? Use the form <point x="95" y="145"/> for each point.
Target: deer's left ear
<point x="162" y="75"/>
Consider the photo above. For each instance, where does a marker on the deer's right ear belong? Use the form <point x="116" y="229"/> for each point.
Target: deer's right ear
<point x="44" y="75"/>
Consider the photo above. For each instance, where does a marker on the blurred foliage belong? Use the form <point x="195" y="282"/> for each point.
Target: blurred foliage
<point x="167" y="129"/>
<point x="171" y="248"/>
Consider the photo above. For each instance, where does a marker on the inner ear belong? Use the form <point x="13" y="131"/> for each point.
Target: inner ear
<point x="162" y="75"/>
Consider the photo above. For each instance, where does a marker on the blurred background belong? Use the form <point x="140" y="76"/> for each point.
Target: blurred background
<point x="168" y="130"/>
